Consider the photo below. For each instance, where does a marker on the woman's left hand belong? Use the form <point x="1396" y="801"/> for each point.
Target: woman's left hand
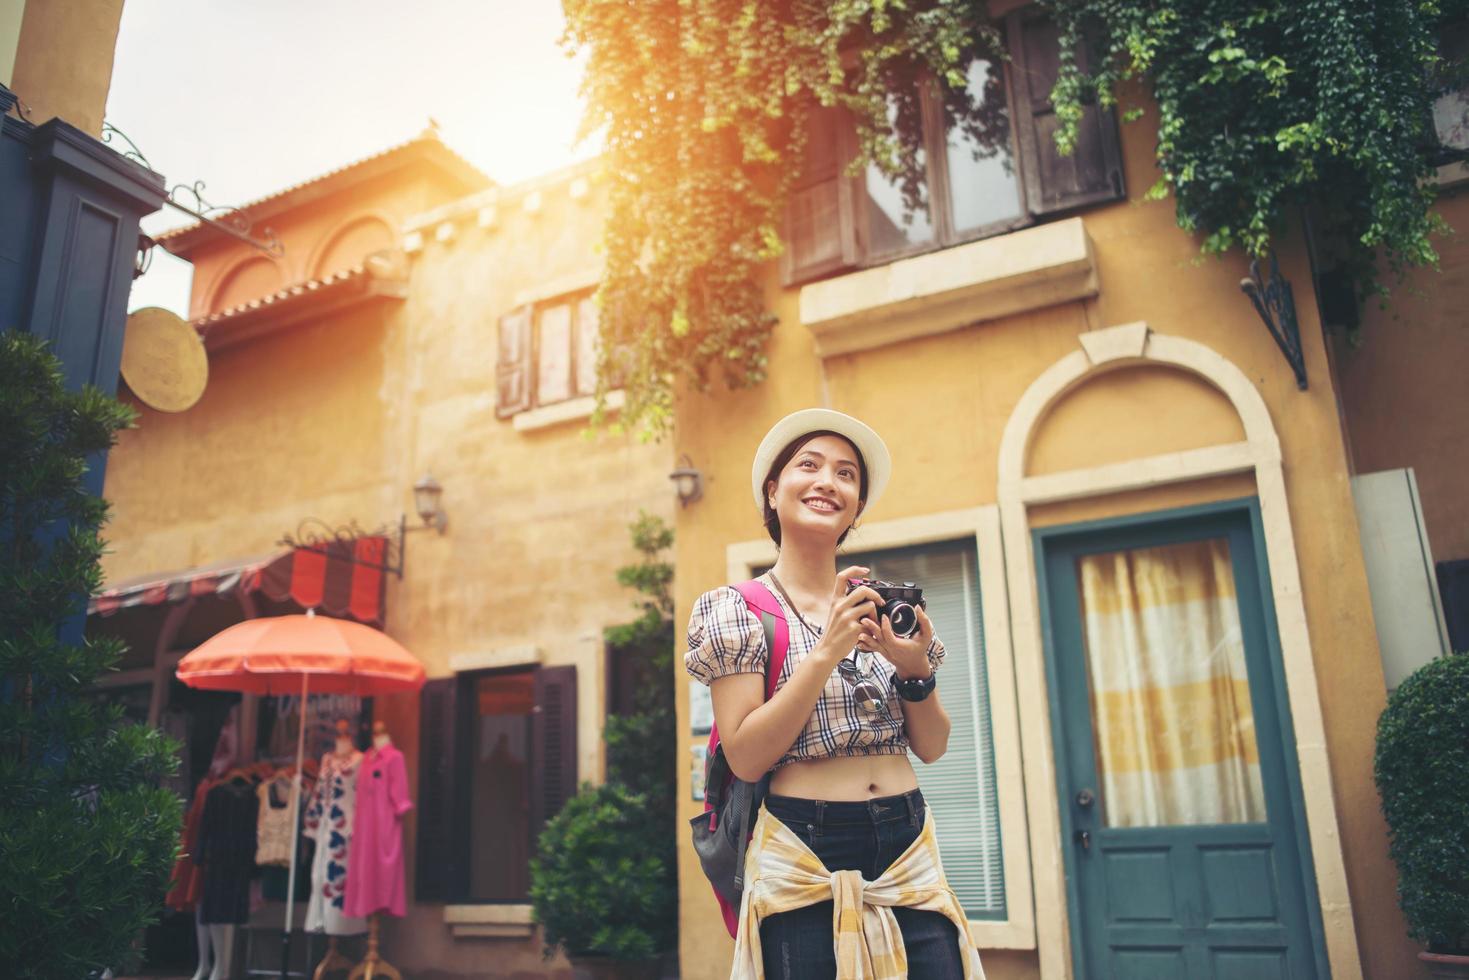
<point x="909" y="656"/>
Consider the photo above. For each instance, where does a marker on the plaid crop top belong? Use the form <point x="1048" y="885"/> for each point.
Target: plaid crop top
<point x="725" y="638"/>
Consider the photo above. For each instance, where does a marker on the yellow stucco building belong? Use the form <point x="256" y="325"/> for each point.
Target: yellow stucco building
<point x="342" y="373"/>
<point x="1075" y="402"/>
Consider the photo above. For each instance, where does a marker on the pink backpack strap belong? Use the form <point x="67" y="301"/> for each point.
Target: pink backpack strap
<point x="761" y="600"/>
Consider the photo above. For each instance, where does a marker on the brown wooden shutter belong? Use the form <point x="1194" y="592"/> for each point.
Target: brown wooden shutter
<point x="440" y="876"/>
<point x="1093" y="171"/>
<point x="821" y="235"/>
<point x="513" y="363"/>
<point x="553" y="745"/>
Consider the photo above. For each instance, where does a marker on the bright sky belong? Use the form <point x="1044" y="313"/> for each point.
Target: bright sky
<point x="253" y="95"/>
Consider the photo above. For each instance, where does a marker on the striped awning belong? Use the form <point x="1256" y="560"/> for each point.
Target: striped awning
<point x="340" y="577"/>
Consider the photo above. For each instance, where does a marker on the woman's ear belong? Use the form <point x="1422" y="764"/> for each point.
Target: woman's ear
<point x="770" y="486"/>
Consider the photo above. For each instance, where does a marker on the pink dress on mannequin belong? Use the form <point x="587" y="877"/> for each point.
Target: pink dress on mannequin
<point x="375" y="869"/>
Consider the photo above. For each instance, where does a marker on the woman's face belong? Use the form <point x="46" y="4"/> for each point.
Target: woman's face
<point x="818" y="490"/>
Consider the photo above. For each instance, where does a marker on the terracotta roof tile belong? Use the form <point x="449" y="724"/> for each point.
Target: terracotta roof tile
<point x="181" y="241"/>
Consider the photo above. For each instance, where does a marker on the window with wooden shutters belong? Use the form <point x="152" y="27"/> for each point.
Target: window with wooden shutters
<point x="548" y="353"/>
<point x="438" y="876"/>
<point x="820" y="227"/>
<point x="513" y="363"/>
<point x="497" y="760"/>
<point x="553" y="353"/>
<point x="587" y="344"/>
<point x="976" y="184"/>
<point x="553" y="780"/>
<point x="1093" y="171"/>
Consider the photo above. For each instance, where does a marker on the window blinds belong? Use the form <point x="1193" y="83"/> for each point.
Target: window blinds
<point x="960" y="788"/>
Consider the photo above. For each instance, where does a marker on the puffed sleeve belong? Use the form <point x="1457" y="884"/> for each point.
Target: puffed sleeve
<point x="724" y="637"/>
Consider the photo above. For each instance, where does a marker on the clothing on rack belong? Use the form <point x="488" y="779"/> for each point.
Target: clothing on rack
<point x="226" y="850"/>
<point x="273" y="827"/>
<point x="375" y="875"/>
<point x="186" y="883"/>
<point x="329" y="823"/>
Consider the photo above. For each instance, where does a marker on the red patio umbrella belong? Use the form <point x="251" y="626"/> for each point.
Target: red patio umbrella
<point x="300" y="654"/>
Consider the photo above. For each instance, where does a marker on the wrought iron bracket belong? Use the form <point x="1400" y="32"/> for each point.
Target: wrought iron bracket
<point x="230" y="221"/>
<point x="318" y="534"/>
<point x="1276" y="305"/>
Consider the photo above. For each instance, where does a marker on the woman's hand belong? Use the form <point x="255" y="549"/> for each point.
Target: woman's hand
<point x="909" y="656"/>
<point x="849" y="610"/>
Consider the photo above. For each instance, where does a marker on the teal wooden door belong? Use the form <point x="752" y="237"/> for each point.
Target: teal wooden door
<point x="1180" y="806"/>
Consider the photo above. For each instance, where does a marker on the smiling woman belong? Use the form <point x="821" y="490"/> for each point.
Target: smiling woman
<point x="848" y="703"/>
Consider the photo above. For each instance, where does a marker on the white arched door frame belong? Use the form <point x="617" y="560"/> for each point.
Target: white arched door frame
<point x="1107" y="350"/>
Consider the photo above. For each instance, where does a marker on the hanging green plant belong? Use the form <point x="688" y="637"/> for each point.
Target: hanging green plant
<point x="1269" y="106"/>
<point x="703" y="107"/>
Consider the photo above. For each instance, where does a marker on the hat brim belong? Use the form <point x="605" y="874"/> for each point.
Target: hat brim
<point x="874" y="451"/>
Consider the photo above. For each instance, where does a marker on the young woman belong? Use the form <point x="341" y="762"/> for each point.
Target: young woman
<point x="852" y="699"/>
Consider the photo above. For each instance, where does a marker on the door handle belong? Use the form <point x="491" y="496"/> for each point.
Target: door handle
<point x="1085" y="798"/>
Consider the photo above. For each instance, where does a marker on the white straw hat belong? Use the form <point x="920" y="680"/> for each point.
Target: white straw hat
<point x="874" y="451"/>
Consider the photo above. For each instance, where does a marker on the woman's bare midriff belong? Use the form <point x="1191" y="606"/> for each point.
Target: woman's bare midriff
<point x="846" y="778"/>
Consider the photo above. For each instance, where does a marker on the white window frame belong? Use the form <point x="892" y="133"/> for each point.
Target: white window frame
<point x="1017" y="930"/>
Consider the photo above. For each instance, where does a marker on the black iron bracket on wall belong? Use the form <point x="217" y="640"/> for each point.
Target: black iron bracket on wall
<point x="230" y="221"/>
<point x="318" y="535"/>
<point x="1276" y="305"/>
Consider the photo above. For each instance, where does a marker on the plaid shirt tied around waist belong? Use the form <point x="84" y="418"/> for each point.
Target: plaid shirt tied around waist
<point x="782" y="874"/>
<point x="725" y="638"/>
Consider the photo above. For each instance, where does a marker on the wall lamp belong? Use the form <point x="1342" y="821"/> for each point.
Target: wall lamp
<point x="426" y="500"/>
<point x="688" y="481"/>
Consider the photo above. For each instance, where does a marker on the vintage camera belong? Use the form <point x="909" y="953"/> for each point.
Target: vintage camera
<point x="903" y="600"/>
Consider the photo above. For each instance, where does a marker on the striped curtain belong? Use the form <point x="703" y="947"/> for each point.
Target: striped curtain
<point x="1170" y="698"/>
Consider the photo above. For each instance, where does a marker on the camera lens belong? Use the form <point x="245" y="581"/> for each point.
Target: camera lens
<point x="903" y="617"/>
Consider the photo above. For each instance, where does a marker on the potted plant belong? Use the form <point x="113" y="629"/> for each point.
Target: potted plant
<point x="1422" y="756"/>
<point x="602" y="887"/>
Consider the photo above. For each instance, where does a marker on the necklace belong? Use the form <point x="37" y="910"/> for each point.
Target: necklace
<point x="866" y="693"/>
<point x="815" y="633"/>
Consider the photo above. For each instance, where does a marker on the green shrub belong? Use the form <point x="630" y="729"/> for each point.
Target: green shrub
<point x="600" y="882"/>
<point x="605" y="881"/>
<point x="86" y="836"/>
<point x="1422" y="770"/>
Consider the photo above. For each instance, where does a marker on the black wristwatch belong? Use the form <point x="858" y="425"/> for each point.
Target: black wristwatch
<point x="916" y="688"/>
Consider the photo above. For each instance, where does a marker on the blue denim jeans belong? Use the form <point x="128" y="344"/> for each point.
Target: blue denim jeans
<point x="865" y="837"/>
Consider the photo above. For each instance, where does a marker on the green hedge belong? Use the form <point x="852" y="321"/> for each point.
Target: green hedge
<point x="1422" y="769"/>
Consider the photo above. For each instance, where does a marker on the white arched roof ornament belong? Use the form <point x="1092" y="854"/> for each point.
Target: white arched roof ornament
<point x="1107" y="350"/>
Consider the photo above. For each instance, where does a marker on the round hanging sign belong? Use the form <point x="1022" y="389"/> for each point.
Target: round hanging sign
<point x="163" y="360"/>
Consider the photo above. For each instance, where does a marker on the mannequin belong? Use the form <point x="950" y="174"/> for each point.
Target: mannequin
<point x="329" y="821"/>
<point x="226" y="852"/>
<point x="222" y="945"/>
<point x="343" y="761"/>
<point x="375" y="881"/>
<point x="206" y="945"/>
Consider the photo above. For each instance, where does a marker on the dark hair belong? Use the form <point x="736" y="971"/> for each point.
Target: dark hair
<point x="772" y="520"/>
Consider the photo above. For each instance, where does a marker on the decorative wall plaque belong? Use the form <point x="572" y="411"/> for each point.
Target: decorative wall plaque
<point x="163" y="360"/>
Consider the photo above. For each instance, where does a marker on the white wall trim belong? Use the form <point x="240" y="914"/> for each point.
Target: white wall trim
<point x="1101" y="351"/>
<point x="570" y="410"/>
<point x="1018" y="931"/>
<point x="954" y="287"/>
<point x="490" y="921"/>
